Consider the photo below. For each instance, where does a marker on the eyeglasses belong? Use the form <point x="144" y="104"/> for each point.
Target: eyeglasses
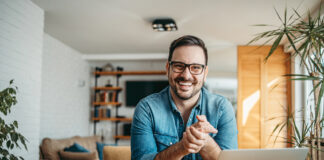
<point x="179" y="67"/>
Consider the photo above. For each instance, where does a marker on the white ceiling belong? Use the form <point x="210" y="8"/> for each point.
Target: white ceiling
<point x="124" y="26"/>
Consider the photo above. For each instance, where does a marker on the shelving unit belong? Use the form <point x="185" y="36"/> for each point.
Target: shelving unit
<point x="114" y="103"/>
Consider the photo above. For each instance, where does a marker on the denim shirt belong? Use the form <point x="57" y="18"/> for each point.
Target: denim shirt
<point x="157" y="123"/>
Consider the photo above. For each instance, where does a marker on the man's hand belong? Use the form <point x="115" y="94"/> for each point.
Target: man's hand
<point x="193" y="140"/>
<point x="204" y="125"/>
<point x="195" y="137"/>
<point x="210" y="149"/>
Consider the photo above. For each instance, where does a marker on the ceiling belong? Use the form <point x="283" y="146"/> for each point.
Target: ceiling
<point x="124" y="26"/>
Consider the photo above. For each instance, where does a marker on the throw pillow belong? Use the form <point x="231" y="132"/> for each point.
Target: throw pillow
<point x="77" y="155"/>
<point x="75" y="148"/>
<point x="100" y="147"/>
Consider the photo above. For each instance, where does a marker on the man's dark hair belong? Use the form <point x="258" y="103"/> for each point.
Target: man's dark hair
<point x="188" y="40"/>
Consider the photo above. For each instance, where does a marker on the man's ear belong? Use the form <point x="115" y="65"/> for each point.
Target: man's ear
<point x="206" y="72"/>
<point x="167" y="68"/>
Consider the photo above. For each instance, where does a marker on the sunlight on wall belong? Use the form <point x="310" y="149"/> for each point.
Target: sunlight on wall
<point x="248" y="104"/>
<point x="273" y="82"/>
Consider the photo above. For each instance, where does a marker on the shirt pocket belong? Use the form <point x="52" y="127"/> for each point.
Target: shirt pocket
<point x="164" y="141"/>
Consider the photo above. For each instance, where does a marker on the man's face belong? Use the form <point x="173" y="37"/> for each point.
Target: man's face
<point x="186" y="85"/>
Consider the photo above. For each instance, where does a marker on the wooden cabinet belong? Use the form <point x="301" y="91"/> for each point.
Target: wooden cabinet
<point x="263" y="96"/>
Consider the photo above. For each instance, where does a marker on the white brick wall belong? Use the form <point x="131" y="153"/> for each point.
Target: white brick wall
<point x="65" y="106"/>
<point x="21" y="38"/>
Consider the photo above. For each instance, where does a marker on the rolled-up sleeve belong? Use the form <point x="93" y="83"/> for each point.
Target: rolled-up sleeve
<point x="143" y="145"/>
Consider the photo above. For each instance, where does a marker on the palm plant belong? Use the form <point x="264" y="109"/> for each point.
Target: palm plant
<point x="305" y="37"/>
<point x="9" y="137"/>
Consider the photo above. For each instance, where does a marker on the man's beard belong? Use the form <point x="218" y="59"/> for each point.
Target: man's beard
<point x="193" y="92"/>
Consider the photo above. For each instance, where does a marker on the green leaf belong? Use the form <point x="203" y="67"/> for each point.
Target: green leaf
<point x="278" y="15"/>
<point x="15" y="124"/>
<point x="274" y="46"/>
<point x="291" y="42"/>
<point x="8" y="144"/>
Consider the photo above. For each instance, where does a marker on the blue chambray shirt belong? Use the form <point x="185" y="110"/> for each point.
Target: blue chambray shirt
<point x="157" y="123"/>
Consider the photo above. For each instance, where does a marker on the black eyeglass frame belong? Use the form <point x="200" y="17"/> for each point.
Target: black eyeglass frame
<point x="187" y="65"/>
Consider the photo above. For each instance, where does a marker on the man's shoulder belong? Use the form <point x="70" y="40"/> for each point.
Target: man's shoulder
<point x="213" y="97"/>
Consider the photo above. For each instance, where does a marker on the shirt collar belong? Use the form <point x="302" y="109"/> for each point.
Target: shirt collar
<point x="174" y="107"/>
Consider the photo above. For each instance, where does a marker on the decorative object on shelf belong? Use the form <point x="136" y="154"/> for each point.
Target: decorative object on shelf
<point x="108" y="67"/>
<point x="98" y="69"/>
<point x="10" y="138"/>
<point x="166" y="24"/>
<point x="305" y="37"/>
<point x="108" y="83"/>
<point x="119" y="69"/>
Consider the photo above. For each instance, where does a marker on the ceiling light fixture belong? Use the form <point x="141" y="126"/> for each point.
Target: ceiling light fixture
<point x="164" y="25"/>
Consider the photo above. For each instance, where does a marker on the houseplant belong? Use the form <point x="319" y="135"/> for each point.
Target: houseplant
<point x="9" y="137"/>
<point x="305" y="37"/>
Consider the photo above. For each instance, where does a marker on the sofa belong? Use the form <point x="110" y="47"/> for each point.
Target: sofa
<point x="117" y="153"/>
<point x="52" y="149"/>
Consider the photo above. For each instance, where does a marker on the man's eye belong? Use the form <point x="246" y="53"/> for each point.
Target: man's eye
<point x="178" y="65"/>
<point x="196" y="67"/>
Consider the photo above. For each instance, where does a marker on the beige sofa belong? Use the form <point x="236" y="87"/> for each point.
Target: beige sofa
<point x="52" y="149"/>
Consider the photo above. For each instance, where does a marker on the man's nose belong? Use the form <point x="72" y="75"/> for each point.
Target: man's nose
<point x="186" y="73"/>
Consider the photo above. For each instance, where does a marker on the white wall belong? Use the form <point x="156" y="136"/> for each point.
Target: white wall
<point x="65" y="102"/>
<point x="21" y="38"/>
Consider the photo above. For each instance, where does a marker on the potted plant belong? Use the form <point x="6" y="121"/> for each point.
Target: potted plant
<point x="305" y="37"/>
<point x="9" y="137"/>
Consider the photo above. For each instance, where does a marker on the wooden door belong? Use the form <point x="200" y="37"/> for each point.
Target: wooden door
<point x="263" y="96"/>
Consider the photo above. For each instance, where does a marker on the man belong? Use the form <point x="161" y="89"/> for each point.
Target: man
<point x="183" y="121"/>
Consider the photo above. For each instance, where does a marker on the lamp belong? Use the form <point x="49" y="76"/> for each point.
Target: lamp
<point x="164" y="25"/>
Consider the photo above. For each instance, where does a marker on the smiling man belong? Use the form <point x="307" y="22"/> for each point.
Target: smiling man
<point x="183" y="121"/>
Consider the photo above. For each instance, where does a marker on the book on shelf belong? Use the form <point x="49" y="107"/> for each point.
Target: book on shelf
<point x="100" y="112"/>
<point x="106" y="96"/>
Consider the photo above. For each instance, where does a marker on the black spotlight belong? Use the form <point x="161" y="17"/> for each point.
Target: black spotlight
<point x="164" y="25"/>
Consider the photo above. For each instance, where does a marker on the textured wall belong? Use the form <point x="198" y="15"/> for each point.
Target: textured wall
<point x="65" y="106"/>
<point x="21" y="39"/>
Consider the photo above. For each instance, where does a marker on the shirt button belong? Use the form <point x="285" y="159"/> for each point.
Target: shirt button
<point x="170" y="143"/>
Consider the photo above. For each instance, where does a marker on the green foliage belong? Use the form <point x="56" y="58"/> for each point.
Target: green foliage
<point x="305" y="35"/>
<point x="9" y="137"/>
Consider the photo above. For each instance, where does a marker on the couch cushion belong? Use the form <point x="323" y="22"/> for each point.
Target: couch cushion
<point x="117" y="153"/>
<point x="51" y="147"/>
<point x="75" y="148"/>
<point x="77" y="155"/>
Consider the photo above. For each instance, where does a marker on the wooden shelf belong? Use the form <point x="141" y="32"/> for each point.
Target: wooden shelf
<point x="122" y="137"/>
<point x="106" y="103"/>
<point x="113" y="119"/>
<point x="108" y="88"/>
<point x="131" y="73"/>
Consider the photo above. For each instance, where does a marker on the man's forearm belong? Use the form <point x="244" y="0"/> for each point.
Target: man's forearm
<point x="174" y="152"/>
<point x="211" y="151"/>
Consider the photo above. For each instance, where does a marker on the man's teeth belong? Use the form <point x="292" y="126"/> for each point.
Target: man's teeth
<point x="185" y="83"/>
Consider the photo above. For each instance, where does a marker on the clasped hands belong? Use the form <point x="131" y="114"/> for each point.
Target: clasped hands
<point x="195" y="138"/>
